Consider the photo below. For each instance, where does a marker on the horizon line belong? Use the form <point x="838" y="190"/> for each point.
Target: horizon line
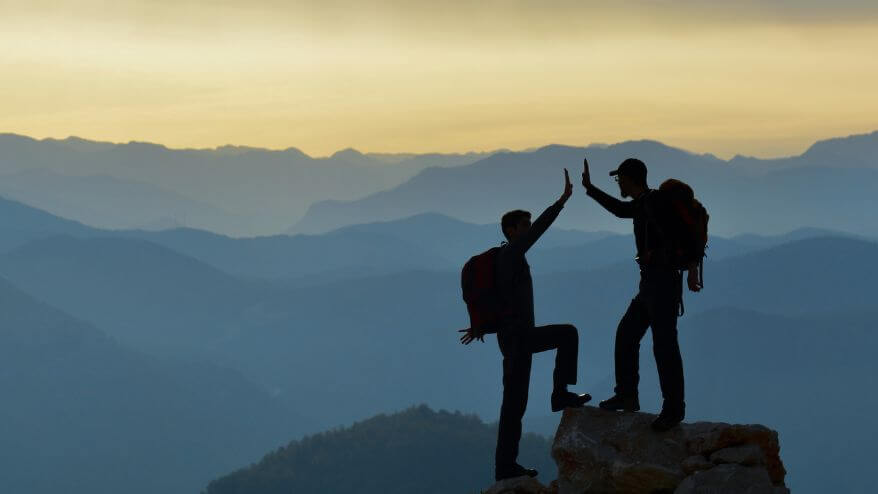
<point x="295" y="149"/>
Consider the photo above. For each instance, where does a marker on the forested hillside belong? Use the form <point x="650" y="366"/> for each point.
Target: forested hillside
<point x="414" y="451"/>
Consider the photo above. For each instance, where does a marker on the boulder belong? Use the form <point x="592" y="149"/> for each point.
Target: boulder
<point x="599" y="451"/>
<point x="696" y="463"/>
<point x="747" y="454"/>
<point x="728" y="479"/>
<point x="709" y="437"/>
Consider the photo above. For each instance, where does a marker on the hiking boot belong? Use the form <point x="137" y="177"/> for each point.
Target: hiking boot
<point x="620" y="402"/>
<point x="667" y="420"/>
<point x="568" y="399"/>
<point x="512" y="471"/>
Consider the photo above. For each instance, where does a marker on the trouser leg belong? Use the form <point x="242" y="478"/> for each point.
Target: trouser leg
<point x="564" y="338"/>
<point x="666" y="348"/>
<point x="631" y="329"/>
<point x="516" y="379"/>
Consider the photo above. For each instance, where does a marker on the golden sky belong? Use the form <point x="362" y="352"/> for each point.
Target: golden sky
<point x="759" y="78"/>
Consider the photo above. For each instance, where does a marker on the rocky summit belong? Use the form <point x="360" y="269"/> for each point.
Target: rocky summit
<point x="613" y="452"/>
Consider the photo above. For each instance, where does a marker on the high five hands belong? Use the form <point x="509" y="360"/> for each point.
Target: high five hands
<point x="568" y="188"/>
<point x="586" y="174"/>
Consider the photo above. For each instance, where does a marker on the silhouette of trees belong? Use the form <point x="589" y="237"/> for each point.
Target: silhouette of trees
<point x="416" y="450"/>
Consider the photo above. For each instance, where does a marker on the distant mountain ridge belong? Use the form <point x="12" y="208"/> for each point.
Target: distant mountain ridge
<point x="245" y="191"/>
<point x="107" y="202"/>
<point x="91" y="412"/>
<point x="855" y="151"/>
<point x="425" y="241"/>
<point x="20" y="224"/>
<point x="272" y="332"/>
<point x="176" y="298"/>
<point x="241" y="190"/>
<point x="830" y="186"/>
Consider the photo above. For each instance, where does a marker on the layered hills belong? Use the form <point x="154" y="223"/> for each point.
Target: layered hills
<point x="830" y="186"/>
<point x="82" y="413"/>
<point x="416" y="450"/>
<point x="242" y="191"/>
<point x="232" y="190"/>
<point x="145" y="361"/>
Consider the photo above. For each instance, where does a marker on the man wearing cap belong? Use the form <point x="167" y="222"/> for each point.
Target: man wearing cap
<point x="656" y="302"/>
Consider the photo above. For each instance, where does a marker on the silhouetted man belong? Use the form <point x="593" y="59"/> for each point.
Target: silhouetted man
<point x="656" y="303"/>
<point x="519" y="339"/>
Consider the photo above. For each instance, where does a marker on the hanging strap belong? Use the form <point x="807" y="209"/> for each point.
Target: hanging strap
<point x="681" y="308"/>
<point x="701" y="272"/>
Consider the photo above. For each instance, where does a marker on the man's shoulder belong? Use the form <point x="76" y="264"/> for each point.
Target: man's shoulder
<point x="503" y="251"/>
<point x="506" y="256"/>
<point x="654" y="194"/>
<point x="657" y="197"/>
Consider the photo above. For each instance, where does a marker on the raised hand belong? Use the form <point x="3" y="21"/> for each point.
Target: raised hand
<point x="586" y="174"/>
<point x="568" y="187"/>
<point x="470" y="334"/>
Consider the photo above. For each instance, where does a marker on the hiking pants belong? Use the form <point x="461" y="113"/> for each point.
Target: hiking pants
<point x="518" y="346"/>
<point x="654" y="306"/>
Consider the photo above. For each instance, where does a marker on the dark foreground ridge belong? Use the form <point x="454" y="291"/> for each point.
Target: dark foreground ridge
<point x="415" y="451"/>
<point x="610" y="452"/>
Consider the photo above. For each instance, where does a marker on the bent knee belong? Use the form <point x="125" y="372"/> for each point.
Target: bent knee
<point x="570" y="332"/>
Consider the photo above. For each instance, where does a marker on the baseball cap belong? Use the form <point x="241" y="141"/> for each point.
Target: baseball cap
<point x="632" y="167"/>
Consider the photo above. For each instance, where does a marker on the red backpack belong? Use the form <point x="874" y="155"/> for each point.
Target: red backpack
<point x="687" y="226"/>
<point x="478" y="280"/>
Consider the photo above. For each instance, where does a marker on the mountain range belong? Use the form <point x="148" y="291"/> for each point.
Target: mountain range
<point x="341" y="347"/>
<point x="154" y="361"/>
<point x="234" y="190"/>
<point x="241" y="191"/>
<point x="831" y="186"/>
<point x="427" y="241"/>
<point x="83" y="414"/>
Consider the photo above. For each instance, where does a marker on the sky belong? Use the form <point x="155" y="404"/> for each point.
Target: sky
<point x="764" y="79"/>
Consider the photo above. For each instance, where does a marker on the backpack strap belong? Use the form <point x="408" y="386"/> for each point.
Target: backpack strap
<point x="651" y="219"/>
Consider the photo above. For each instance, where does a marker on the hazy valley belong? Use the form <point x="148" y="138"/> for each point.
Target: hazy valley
<point x="159" y="360"/>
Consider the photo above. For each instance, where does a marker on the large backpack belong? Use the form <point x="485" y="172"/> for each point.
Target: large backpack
<point x="686" y="229"/>
<point x="478" y="280"/>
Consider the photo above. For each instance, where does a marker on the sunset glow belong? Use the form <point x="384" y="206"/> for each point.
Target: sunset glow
<point x="417" y="77"/>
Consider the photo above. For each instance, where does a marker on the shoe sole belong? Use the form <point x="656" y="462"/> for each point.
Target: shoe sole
<point x="586" y="400"/>
<point x="500" y="479"/>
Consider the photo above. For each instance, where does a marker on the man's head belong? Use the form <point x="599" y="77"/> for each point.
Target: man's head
<point x="631" y="177"/>
<point x="515" y="223"/>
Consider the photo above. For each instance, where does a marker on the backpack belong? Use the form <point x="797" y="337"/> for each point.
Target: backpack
<point x="478" y="280"/>
<point x="687" y="226"/>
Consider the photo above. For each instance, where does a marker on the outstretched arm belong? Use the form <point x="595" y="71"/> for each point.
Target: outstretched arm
<point x="622" y="209"/>
<point x="521" y="244"/>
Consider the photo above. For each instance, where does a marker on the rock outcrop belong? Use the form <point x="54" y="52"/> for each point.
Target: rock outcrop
<point x="612" y="452"/>
<point x="609" y="452"/>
